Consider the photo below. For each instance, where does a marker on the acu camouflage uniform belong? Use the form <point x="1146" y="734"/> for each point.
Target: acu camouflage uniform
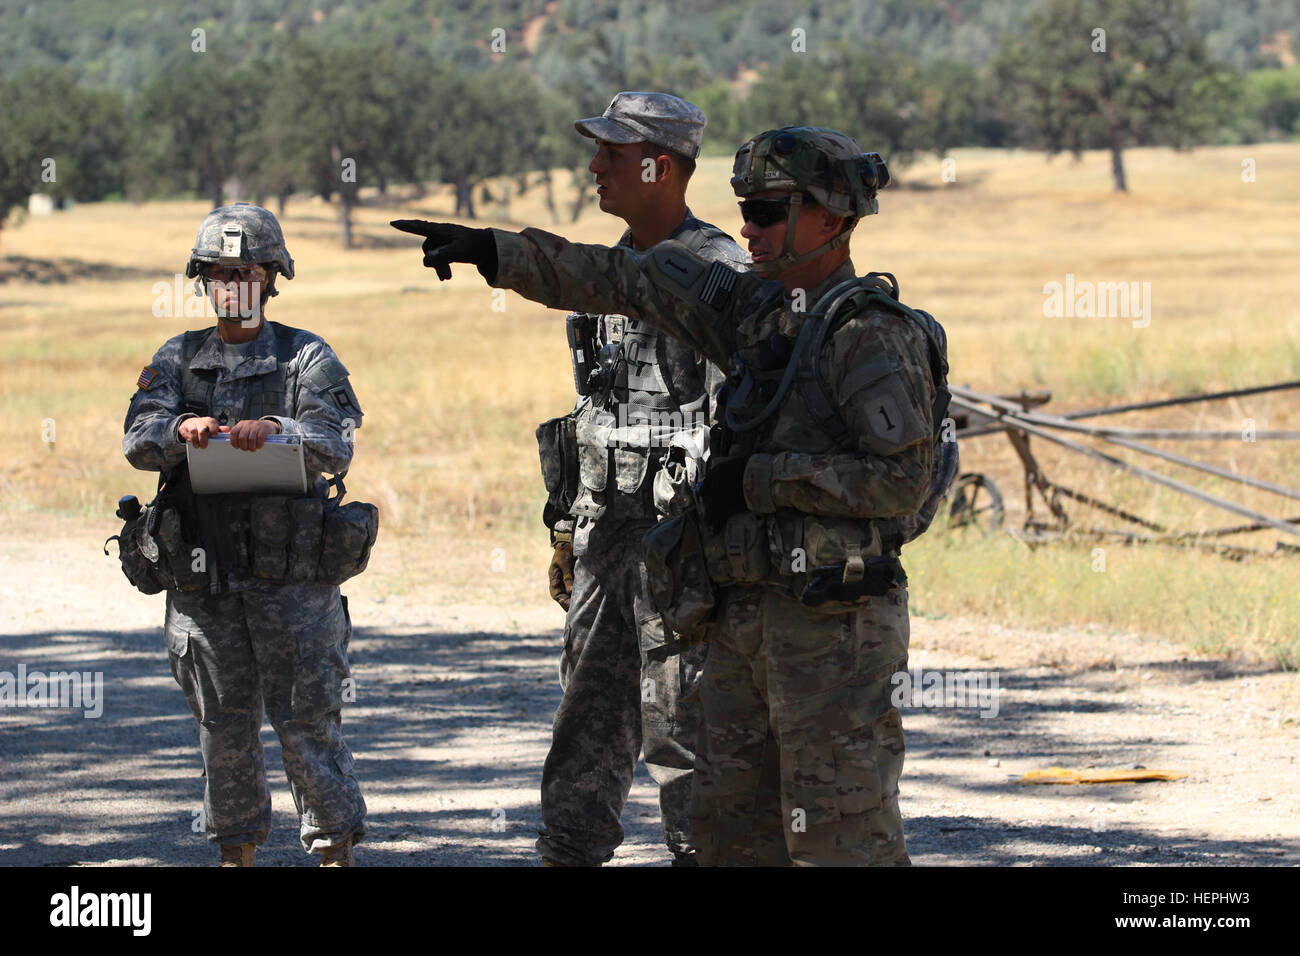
<point x="803" y="750"/>
<point x="258" y="646"/>
<point x="616" y="699"/>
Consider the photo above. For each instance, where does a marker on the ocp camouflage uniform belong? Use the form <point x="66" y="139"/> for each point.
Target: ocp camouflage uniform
<point x="260" y="646"/>
<point x="804" y="748"/>
<point x="617" y="700"/>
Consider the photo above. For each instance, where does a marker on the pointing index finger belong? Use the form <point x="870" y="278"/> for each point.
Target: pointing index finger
<point x="417" y="227"/>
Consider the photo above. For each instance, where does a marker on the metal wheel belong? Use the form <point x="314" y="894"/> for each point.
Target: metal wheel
<point x="976" y="502"/>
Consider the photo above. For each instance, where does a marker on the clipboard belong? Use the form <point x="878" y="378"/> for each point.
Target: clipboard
<point x="275" y="468"/>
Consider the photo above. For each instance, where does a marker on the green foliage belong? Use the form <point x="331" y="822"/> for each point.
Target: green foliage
<point x="1087" y="74"/>
<point x="284" y="91"/>
<point x="58" y="139"/>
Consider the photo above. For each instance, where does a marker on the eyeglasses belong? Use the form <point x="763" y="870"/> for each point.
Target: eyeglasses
<point x="764" y="212"/>
<point x="253" y="273"/>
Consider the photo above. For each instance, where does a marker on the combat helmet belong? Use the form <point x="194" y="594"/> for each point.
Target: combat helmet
<point x="241" y="234"/>
<point x="824" y="163"/>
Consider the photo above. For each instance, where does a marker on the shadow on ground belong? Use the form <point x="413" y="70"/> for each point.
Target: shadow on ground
<point x="450" y="731"/>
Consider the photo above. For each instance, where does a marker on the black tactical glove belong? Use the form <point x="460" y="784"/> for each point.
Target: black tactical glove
<point x="447" y="242"/>
<point x="723" y="490"/>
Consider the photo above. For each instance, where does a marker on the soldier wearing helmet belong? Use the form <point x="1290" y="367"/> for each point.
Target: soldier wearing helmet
<point x="255" y="638"/>
<point x="823" y="467"/>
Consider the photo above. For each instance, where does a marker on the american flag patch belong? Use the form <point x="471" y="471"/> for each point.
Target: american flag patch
<point x="717" y="286"/>
<point x="147" y="378"/>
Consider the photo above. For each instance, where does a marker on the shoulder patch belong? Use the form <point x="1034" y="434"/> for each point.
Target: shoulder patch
<point x="677" y="264"/>
<point x="324" y="374"/>
<point x="147" y="378"/>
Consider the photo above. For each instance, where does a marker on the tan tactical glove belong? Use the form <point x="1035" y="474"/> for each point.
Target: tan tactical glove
<point x="561" y="573"/>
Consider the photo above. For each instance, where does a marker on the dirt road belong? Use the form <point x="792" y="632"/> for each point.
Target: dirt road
<point x="452" y="718"/>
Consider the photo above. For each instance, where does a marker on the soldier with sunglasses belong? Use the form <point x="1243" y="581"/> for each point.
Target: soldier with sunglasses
<point x="828" y="459"/>
<point x="245" y="640"/>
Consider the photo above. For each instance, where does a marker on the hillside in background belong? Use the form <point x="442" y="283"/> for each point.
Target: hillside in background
<point x="123" y="44"/>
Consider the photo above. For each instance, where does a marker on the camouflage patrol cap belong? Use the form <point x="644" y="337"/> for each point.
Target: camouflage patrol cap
<point x="824" y="163"/>
<point x="658" y="118"/>
<point x="240" y="233"/>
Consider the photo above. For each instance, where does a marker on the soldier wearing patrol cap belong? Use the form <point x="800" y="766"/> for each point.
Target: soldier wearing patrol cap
<point x="249" y="635"/>
<point x="829" y="458"/>
<point x="639" y="391"/>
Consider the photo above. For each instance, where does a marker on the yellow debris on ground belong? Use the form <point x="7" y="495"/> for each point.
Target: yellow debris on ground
<point x="1062" y="775"/>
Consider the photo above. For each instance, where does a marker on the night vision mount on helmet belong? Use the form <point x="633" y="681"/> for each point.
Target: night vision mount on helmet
<point x="241" y="234"/>
<point x="823" y="163"/>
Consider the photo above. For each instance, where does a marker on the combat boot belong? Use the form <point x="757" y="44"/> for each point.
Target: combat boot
<point x="340" y="854"/>
<point x="237" y="854"/>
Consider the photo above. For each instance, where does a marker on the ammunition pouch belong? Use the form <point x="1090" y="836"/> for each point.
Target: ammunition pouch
<point x="673" y="487"/>
<point x="740" y="555"/>
<point x="187" y="542"/>
<point x="308" y="540"/>
<point x="557" y="446"/>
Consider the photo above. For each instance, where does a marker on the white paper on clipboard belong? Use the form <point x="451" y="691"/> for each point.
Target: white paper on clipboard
<point x="275" y="468"/>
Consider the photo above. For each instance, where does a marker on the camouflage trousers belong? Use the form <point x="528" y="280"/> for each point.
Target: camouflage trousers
<point x="615" y="703"/>
<point x="282" y="650"/>
<point x="801" y="750"/>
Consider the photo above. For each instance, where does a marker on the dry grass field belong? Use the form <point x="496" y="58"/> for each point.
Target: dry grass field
<point x="452" y="389"/>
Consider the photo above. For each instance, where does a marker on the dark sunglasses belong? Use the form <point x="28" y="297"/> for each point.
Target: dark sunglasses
<point x="764" y="212"/>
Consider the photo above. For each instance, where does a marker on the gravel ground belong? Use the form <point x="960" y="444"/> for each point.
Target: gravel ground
<point x="452" y="721"/>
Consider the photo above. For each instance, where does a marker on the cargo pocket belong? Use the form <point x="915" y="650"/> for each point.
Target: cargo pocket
<point x="322" y="668"/>
<point x="177" y="639"/>
<point x="269" y="518"/>
<point x="181" y="662"/>
<point x="844" y="760"/>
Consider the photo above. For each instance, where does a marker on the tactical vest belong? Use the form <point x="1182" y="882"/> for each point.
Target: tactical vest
<point x="268" y="394"/>
<point x="248" y="539"/>
<point x="624" y="429"/>
<point x="776" y="400"/>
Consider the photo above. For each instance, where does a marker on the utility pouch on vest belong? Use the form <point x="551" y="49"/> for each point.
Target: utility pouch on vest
<point x="677" y="577"/>
<point x="271" y="530"/>
<point x="156" y="547"/>
<point x="829" y="592"/>
<point x="309" y="540"/>
<point x="143" y="572"/>
<point x="673" y="488"/>
<point x="306" y="515"/>
<point x="348" y="533"/>
<point x="740" y="554"/>
<point x="557" y="446"/>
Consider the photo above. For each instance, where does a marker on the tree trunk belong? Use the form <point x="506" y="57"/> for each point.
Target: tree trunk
<point x="582" y="198"/>
<point x="464" y="197"/>
<point x="1117" y="165"/>
<point x="283" y="198"/>
<point x="550" y="199"/>
<point x="345" y="217"/>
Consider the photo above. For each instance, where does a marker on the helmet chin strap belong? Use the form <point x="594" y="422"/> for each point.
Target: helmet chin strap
<point x="268" y="290"/>
<point x="787" y="257"/>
